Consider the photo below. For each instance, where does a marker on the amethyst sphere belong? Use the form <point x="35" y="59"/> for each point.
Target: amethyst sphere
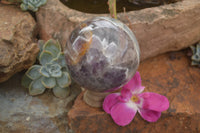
<point x="102" y="54"/>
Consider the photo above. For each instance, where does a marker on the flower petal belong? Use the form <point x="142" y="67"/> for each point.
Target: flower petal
<point x="154" y="101"/>
<point x="135" y="84"/>
<point x="122" y="114"/>
<point x="149" y="115"/>
<point x="110" y="101"/>
<point x="125" y="95"/>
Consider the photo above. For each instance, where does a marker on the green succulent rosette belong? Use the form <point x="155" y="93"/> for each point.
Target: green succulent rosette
<point x="51" y="74"/>
<point x="196" y="55"/>
<point x="32" y="5"/>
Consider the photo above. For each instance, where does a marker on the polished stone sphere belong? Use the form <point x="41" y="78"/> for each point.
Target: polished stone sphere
<point x="102" y="54"/>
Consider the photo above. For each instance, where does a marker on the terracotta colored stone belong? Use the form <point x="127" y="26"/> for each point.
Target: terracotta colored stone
<point x="170" y="75"/>
<point x="158" y="30"/>
<point x="17" y="48"/>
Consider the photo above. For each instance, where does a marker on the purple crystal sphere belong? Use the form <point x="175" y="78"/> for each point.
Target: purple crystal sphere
<point x="102" y="54"/>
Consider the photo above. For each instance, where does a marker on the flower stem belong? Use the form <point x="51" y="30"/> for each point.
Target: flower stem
<point x="112" y="8"/>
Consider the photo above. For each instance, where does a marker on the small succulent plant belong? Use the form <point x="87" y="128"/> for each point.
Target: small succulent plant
<point x="51" y="74"/>
<point x="32" y="4"/>
<point x="196" y="55"/>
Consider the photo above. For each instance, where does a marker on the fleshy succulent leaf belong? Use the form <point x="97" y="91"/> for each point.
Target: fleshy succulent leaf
<point x="57" y="74"/>
<point x="60" y="60"/>
<point x="23" y="7"/>
<point x="61" y="92"/>
<point x="36" y="87"/>
<point x="40" y="44"/>
<point x="48" y="82"/>
<point x="195" y="63"/>
<point x="44" y="72"/>
<point x="193" y="49"/>
<point x="26" y="81"/>
<point x="53" y="47"/>
<point x="32" y="4"/>
<point x="33" y="72"/>
<point x="45" y="57"/>
<point x="198" y="49"/>
<point x="54" y="69"/>
<point x="196" y="55"/>
<point x="64" y="80"/>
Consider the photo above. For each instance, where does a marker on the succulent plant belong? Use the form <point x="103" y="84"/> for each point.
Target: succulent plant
<point x="32" y="4"/>
<point x="196" y="55"/>
<point x="51" y="74"/>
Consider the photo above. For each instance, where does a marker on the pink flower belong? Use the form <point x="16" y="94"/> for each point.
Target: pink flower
<point x="123" y="107"/>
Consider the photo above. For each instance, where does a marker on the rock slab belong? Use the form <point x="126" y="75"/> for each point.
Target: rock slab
<point x="17" y="48"/>
<point x="170" y="75"/>
<point x="158" y="30"/>
<point x="21" y="113"/>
